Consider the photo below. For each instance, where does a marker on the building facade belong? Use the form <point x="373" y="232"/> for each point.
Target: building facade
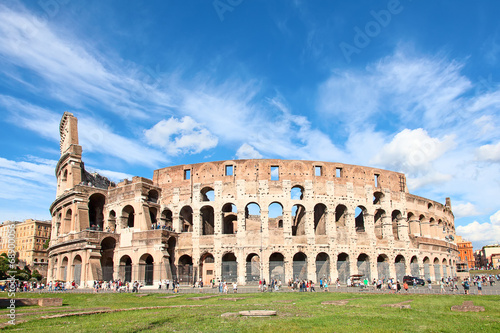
<point x="466" y="252"/>
<point x="242" y="221"/>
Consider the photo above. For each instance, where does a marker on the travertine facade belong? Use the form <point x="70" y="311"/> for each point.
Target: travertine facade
<point x="244" y="220"/>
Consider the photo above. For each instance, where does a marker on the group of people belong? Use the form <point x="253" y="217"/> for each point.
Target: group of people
<point x="274" y="285"/>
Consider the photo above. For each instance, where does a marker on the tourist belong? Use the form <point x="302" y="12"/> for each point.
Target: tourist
<point x="398" y="286"/>
<point x="235" y="288"/>
<point x="405" y="286"/>
<point x="479" y="287"/>
<point x="466" y="286"/>
<point x="325" y="286"/>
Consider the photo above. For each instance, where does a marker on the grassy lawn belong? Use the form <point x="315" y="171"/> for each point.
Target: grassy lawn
<point x="488" y="272"/>
<point x="297" y="312"/>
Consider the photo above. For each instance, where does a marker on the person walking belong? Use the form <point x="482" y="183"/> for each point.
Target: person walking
<point x="479" y="287"/>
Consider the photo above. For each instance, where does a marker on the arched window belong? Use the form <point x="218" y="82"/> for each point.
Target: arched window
<point x="297" y="193"/>
<point x="298" y="220"/>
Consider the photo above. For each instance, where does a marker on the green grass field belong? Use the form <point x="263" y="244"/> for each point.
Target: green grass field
<point x="480" y="272"/>
<point x="297" y="312"/>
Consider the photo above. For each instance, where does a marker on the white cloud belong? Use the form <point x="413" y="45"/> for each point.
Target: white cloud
<point x="495" y="218"/>
<point x="480" y="232"/>
<point x="464" y="210"/>
<point x="489" y="153"/>
<point x="181" y="136"/>
<point x="412" y="151"/>
<point x="247" y="152"/>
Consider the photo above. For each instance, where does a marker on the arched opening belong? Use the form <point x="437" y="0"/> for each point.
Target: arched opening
<point x="421" y="221"/>
<point x="427" y="268"/>
<point x="412" y="230"/>
<point x="276" y="266"/>
<point x="396" y="217"/>
<point x="111" y="222"/>
<point x="364" y="265"/>
<point x="172" y="268"/>
<point x="252" y="217"/>
<point x="377" y="198"/>
<point x="185" y="269"/>
<point x="340" y="214"/>
<point x="400" y="264"/>
<point x="378" y="222"/>
<point x="433" y="225"/>
<point x="229" y="268"/>
<point x="229" y="219"/>
<point x="207" y="220"/>
<point x="207" y="194"/>
<point x="207" y="268"/>
<point x="128" y="215"/>
<point x="359" y="214"/>
<point x="275" y="216"/>
<point x="68" y="221"/>
<point x="252" y="269"/>
<point x="383" y="267"/>
<point x="320" y="219"/>
<point x="343" y="269"/>
<point x="126" y="269"/>
<point x="64" y="269"/>
<point x="146" y="264"/>
<point x="414" y="269"/>
<point x="152" y="216"/>
<point x="186" y="219"/>
<point x="297" y="193"/>
<point x="96" y="208"/>
<point x="300" y="266"/>
<point x="445" y="268"/>
<point x="77" y="269"/>
<point x="437" y="269"/>
<point x="108" y="245"/>
<point x="153" y="196"/>
<point x="298" y="220"/>
<point x="167" y="220"/>
<point x="65" y="175"/>
<point x="322" y="266"/>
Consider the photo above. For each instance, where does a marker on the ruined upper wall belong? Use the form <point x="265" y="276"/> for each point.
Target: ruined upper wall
<point x="293" y="171"/>
<point x="68" y="130"/>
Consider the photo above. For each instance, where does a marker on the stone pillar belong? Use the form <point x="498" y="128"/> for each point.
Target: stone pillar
<point x="218" y="223"/>
<point x="217" y="266"/>
<point x="334" y="274"/>
<point x="197" y="224"/>
<point x="309" y="226"/>
<point x="287" y="227"/>
<point x="264" y="265"/>
<point x="264" y="223"/>
<point x="414" y="227"/>
<point x="311" y="269"/>
<point x="403" y="229"/>
<point x="387" y="228"/>
<point x="288" y="269"/>
<point x="241" y="262"/>
<point x="176" y="222"/>
<point x="392" y="269"/>
<point x="369" y="225"/>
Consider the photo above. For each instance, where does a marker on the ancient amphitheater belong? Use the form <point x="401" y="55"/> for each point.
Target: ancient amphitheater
<point x="243" y="220"/>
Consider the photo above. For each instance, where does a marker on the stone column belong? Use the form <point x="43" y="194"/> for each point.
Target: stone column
<point x="287" y="227"/>
<point x="309" y="220"/>
<point x="311" y="269"/>
<point x="197" y="224"/>
<point x="241" y="262"/>
<point x="288" y="269"/>
<point x="387" y="228"/>
<point x="403" y="229"/>
<point x="334" y="274"/>
<point x="176" y="222"/>
<point x="218" y="223"/>
<point x="264" y="222"/>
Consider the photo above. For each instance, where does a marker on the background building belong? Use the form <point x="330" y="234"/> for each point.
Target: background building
<point x="466" y="252"/>
<point x="489" y="256"/>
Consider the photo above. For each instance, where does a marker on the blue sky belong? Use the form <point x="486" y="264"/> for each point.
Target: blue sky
<point x="410" y="86"/>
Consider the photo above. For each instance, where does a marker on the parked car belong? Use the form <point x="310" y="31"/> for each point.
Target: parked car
<point x="409" y="279"/>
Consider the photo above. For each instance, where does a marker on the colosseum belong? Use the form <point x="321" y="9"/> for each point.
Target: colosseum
<point x="243" y="220"/>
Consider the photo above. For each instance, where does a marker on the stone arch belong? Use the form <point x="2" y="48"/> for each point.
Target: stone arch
<point x="276" y="266"/>
<point x="146" y="265"/>
<point x="207" y="220"/>
<point x="396" y="216"/>
<point x="68" y="221"/>
<point x="275" y="216"/>
<point x="383" y="270"/>
<point x="427" y="268"/>
<point x="108" y="246"/>
<point x="153" y="196"/>
<point x="167" y="219"/>
<point x="297" y="192"/>
<point x="378" y="222"/>
<point x="421" y="219"/>
<point x="363" y="264"/>
<point x="437" y="269"/>
<point x="64" y="268"/>
<point x="298" y="220"/>
<point x="229" y="219"/>
<point x="300" y="266"/>
<point x="96" y="211"/>
<point x="320" y="212"/>
<point x="152" y="216"/>
<point x="77" y="269"/>
<point x="340" y="216"/>
<point x="252" y="217"/>
<point x="359" y="220"/>
<point x="128" y="215"/>
<point x="229" y="267"/>
<point x="343" y="267"/>
<point x="378" y="197"/>
<point x="125" y="268"/>
<point x="185" y="269"/>
<point x="207" y="194"/>
<point x="207" y="267"/>
<point x="322" y="266"/>
<point x="414" y="268"/>
<point x="252" y="275"/>
<point x="111" y="221"/>
<point x="445" y="267"/>
<point x="186" y="219"/>
<point x="400" y="265"/>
